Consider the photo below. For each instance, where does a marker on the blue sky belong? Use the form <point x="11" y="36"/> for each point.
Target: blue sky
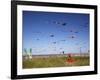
<point x="52" y="33"/>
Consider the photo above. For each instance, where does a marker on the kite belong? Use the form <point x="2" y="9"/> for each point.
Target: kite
<point x="63" y="40"/>
<point x="54" y="42"/>
<point x="72" y="37"/>
<point x="37" y="39"/>
<point x="51" y="35"/>
<point x="76" y="32"/>
<point x="64" y="24"/>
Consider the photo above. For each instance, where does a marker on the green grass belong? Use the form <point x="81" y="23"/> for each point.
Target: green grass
<point x="54" y="62"/>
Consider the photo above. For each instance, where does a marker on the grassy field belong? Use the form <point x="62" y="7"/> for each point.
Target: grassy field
<point x="54" y="62"/>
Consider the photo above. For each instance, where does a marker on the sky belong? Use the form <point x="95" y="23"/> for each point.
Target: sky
<point x="54" y="32"/>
